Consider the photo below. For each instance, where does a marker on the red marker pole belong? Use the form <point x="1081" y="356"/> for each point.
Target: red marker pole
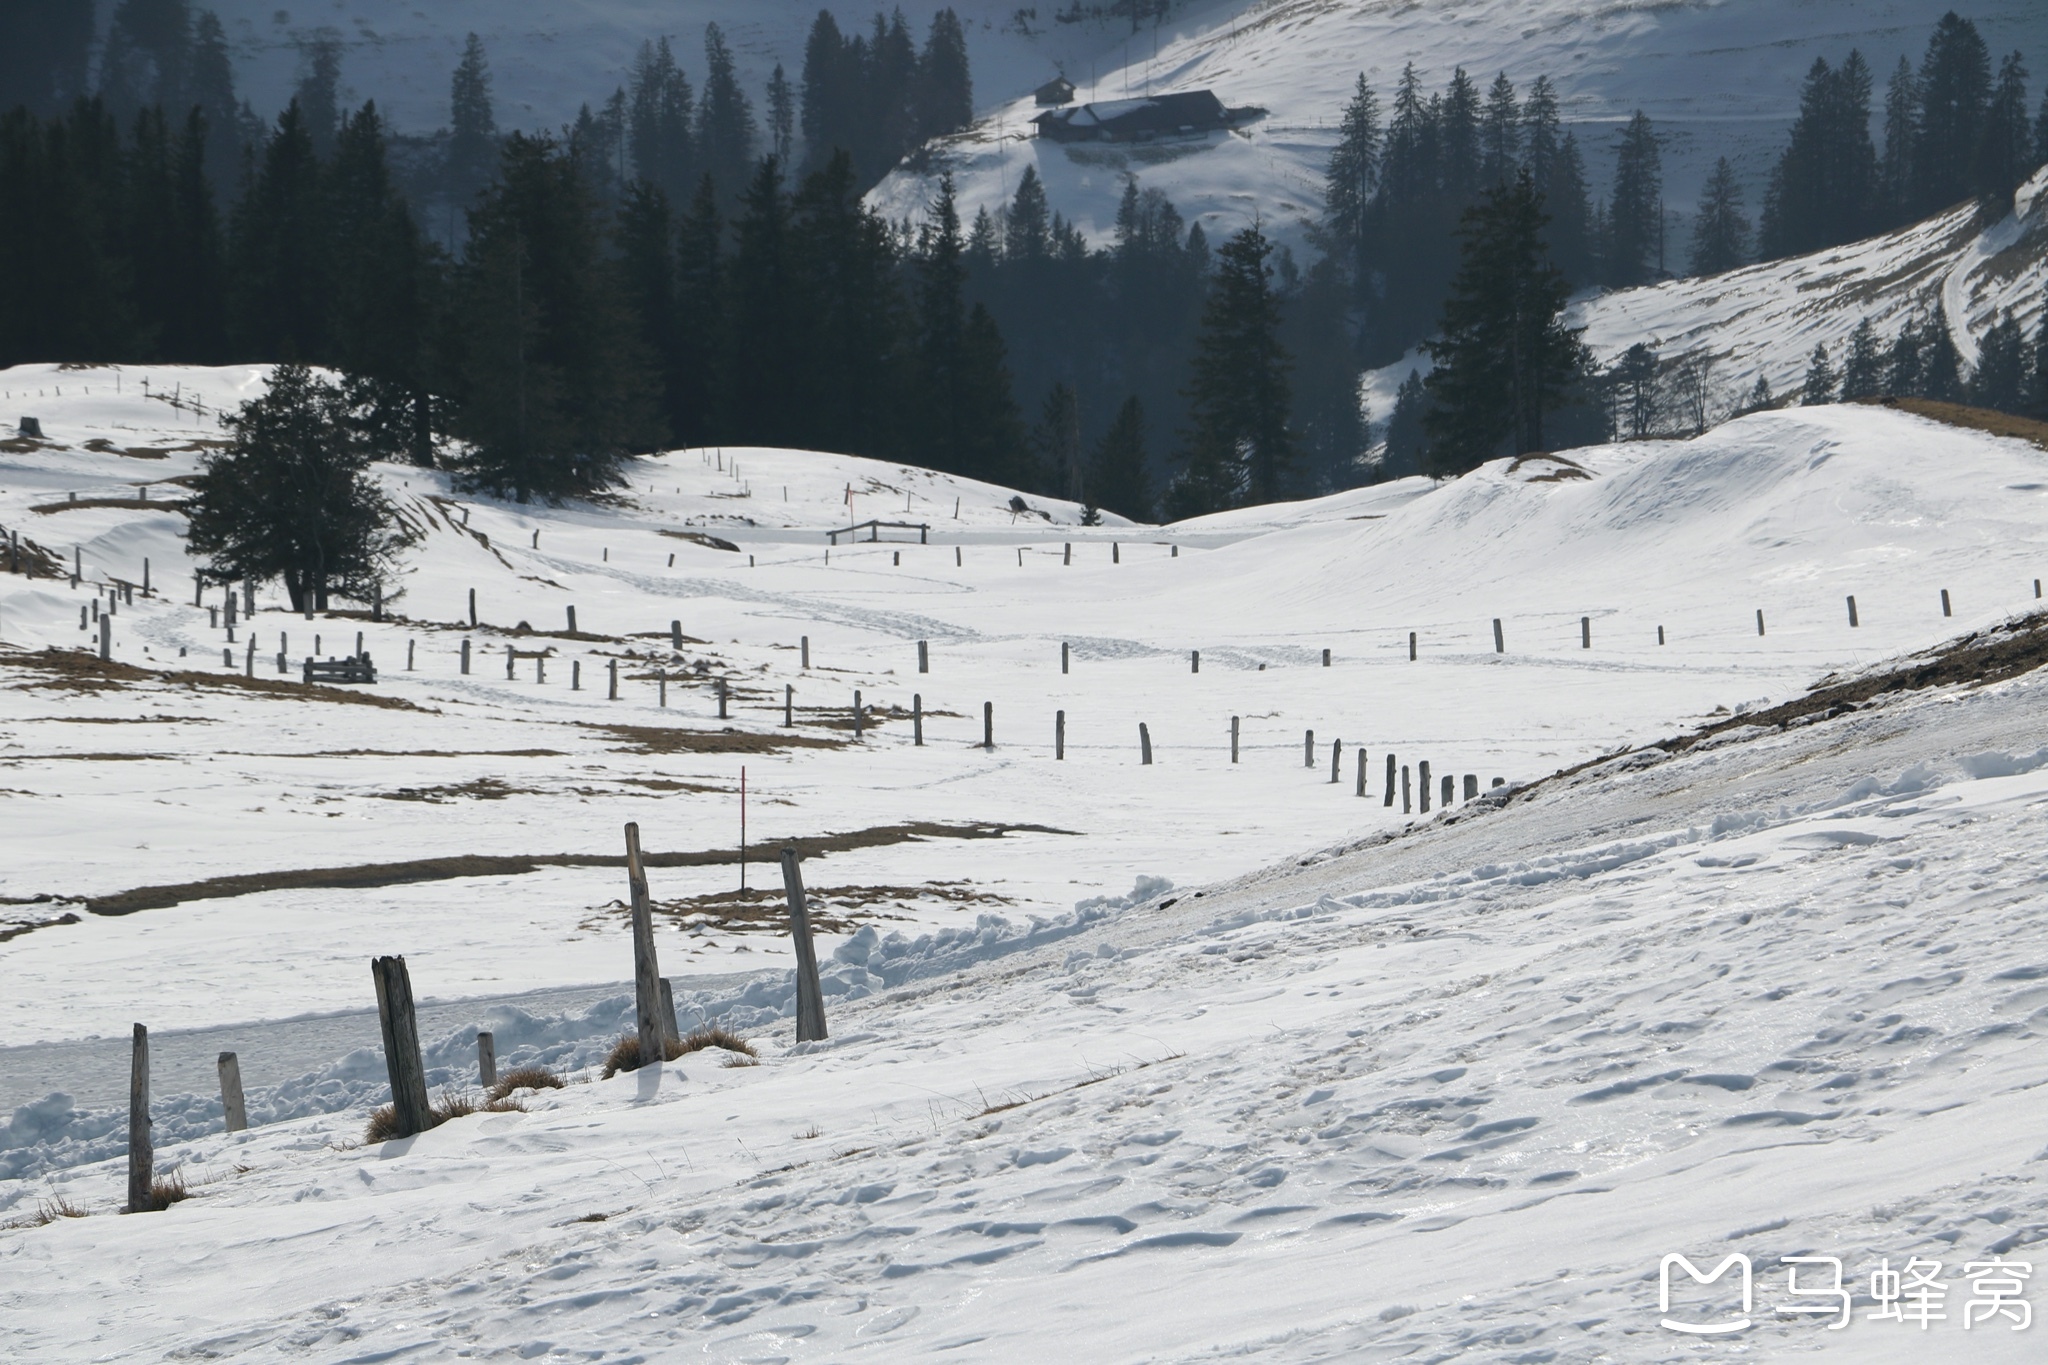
<point x="743" y="827"/>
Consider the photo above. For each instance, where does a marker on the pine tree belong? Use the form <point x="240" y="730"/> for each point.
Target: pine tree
<point x="1823" y="189"/>
<point x="698" y="393"/>
<point x="1863" y="370"/>
<point x="993" y="430"/>
<point x="1407" y="444"/>
<point x="1941" y="369"/>
<point x="1459" y="155"/>
<point x="45" y="47"/>
<point x="1352" y="178"/>
<point x="1571" y="233"/>
<point x="2005" y="153"/>
<point x="886" y="126"/>
<point x="781" y="117"/>
<point x="2000" y="379"/>
<point x="767" y="318"/>
<point x="944" y="95"/>
<point x="318" y="93"/>
<point x="1954" y="86"/>
<point x="1720" y="234"/>
<point x="1117" y="474"/>
<point x="281" y="250"/>
<point x="658" y="105"/>
<point x="1057" y="443"/>
<point x="1238" y="391"/>
<point x="472" y="125"/>
<point x="1500" y="134"/>
<point x="647" y="278"/>
<point x="1760" y="398"/>
<point x="1635" y="219"/>
<point x="942" y="441"/>
<point x="1819" y="387"/>
<point x="1027" y="224"/>
<point x="1330" y="422"/>
<point x="846" y="279"/>
<point x="1901" y="132"/>
<point x="292" y="496"/>
<point x="1904" y="366"/>
<point x="210" y="88"/>
<point x="725" y="118"/>
<point x="1632" y="384"/>
<point x="830" y="91"/>
<point x="1503" y="357"/>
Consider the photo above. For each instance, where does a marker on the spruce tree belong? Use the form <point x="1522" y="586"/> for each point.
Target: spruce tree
<point x="1027" y="224"/>
<point x="647" y="278"/>
<point x="2005" y="152"/>
<point x="1863" y="369"/>
<point x="281" y="253"/>
<point x="1056" y="441"/>
<point x="210" y="88"/>
<point x="1904" y="365"/>
<point x="1635" y="218"/>
<point x="1954" y="87"/>
<point x="1352" y="178"/>
<point x="1901" y="133"/>
<point x="703" y="352"/>
<point x="942" y="438"/>
<point x="943" y="98"/>
<point x="145" y="58"/>
<point x="658" y="112"/>
<point x="1500" y="133"/>
<point x="2000" y="379"/>
<point x="1238" y="390"/>
<point x="2037" y="372"/>
<point x="1760" y="398"/>
<point x="781" y="117"/>
<point x="846" y="282"/>
<point x="1941" y="368"/>
<point x="1504" y="357"/>
<point x="1117" y="475"/>
<point x="1459" y="157"/>
<point x="1819" y="387"/>
<point x="1824" y="188"/>
<point x="994" y="439"/>
<point x="318" y="92"/>
<point x="1720" y="234"/>
<point x="830" y="91"/>
<point x="292" y="497"/>
<point x="767" y="317"/>
<point x="725" y="118"/>
<point x="1633" y="384"/>
<point x="472" y="125"/>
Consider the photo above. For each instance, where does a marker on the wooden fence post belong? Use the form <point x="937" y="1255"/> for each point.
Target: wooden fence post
<point x="1361" y="770"/>
<point x="572" y="620"/>
<point x="858" y="713"/>
<point x="107" y="636"/>
<point x="1063" y="652"/>
<point x="1407" y="798"/>
<point x="661" y="682"/>
<point x="472" y="608"/>
<point x="810" y="998"/>
<point x="1852" y="611"/>
<point x="1194" y="661"/>
<point x="924" y="658"/>
<point x="956" y="548"/>
<point x="1390" y="781"/>
<point x="669" y="1020"/>
<point x="1422" y="782"/>
<point x="807" y="652"/>
<point x="1471" y="786"/>
<point x="917" y="719"/>
<point x="788" y="705"/>
<point x="722" y="700"/>
<point x="145" y="582"/>
<point x="1069" y="556"/>
<point x="653" y="1036"/>
<point x="988" y="725"/>
<point x="675" y="636"/>
<point x="1500" y="644"/>
<point x="486" y="1060"/>
<point x="1308" y="749"/>
<point x="465" y="656"/>
<point x="1233" y="738"/>
<point x="232" y="1108"/>
<point x="1059" y="735"/>
<point x="1660" y="635"/>
<point x="1585" y="632"/>
<point x="1759" y="620"/>
<point x="141" y="1153"/>
<point x="1944" y="603"/>
<point x="1411" y="646"/>
<point x="1336" y="757"/>
<point x="511" y="661"/>
<point x="1144" y="744"/>
<point x="613" y="665"/>
<point x="1326" y="658"/>
<point x="1450" y="791"/>
<point x="1116" y="553"/>
<point x="409" y="646"/>
<point x="402" y="1063"/>
<point x="575" y="675"/>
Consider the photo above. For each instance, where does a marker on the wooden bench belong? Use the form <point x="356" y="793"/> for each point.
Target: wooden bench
<point x="354" y="669"/>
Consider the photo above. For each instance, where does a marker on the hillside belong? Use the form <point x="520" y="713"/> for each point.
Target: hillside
<point x="1175" y="1060"/>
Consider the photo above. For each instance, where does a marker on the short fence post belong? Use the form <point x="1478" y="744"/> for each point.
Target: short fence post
<point x="409" y="646"/>
<point x="2037" y="587"/>
<point x="613" y="666"/>
<point x="1390" y="781"/>
<point x="540" y="668"/>
<point x="653" y="1035"/>
<point x="575" y="675"/>
<point x="1585" y="632"/>
<point x="359" y="645"/>
<point x="141" y="1153"/>
<point x="1660" y="635"/>
<point x="661" y="683"/>
<point x="1336" y="758"/>
<point x="788" y="705"/>
<point x="1361" y="772"/>
<point x="988" y="725"/>
<point x="721" y="699"/>
<point x="807" y="652"/>
<point x="572" y="620"/>
<point x="1411" y="646"/>
<point x="107" y="637"/>
<point x="1144" y="743"/>
<point x="1471" y="786"/>
<point x="1852" y="611"/>
<point x="235" y="1112"/>
<point x="1450" y="791"/>
<point x="924" y="658"/>
<point x="401" y="1046"/>
<point x="1064" y="652"/>
<point x="1759" y="620"/>
<point x="1116" y="553"/>
<point x="810" y="999"/>
<point x="675" y="636"/>
<point x="486" y="1060"/>
<point x="1068" y="558"/>
<point x="858" y="716"/>
<point x="1308" y="749"/>
<point x="1407" y="799"/>
<point x="1326" y="658"/>
<point x="511" y="661"/>
<point x="465" y="656"/>
<point x="1059" y="734"/>
<point x="1194" y="661"/>
<point x="917" y="719"/>
<point x="1233" y="738"/>
<point x="1500" y="644"/>
<point x="956" y="550"/>
<point x="1944" y="603"/>
<point x="472" y="608"/>
<point x="1422" y="781"/>
<point x="249" y="664"/>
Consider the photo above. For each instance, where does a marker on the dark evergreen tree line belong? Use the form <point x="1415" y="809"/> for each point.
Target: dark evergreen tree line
<point x="876" y="96"/>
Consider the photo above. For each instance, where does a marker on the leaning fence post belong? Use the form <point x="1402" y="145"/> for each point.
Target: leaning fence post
<point x="1422" y="782"/>
<point x="988" y="725"/>
<point x="1059" y="734"/>
<point x="1144" y="743"/>
<point x="1759" y="620"/>
<point x="858" y="713"/>
<point x="236" y="1113"/>
<point x="917" y="719"/>
<point x="788" y="705"/>
<point x="646" y="971"/>
<point x="1852" y="610"/>
<point x="810" y="999"/>
<point x="1500" y="644"/>
<point x="1390" y="781"/>
<point x="1944" y="603"/>
<point x="1233" y="738"/>
<point x="141" y="1154"/>
<point x="486" y="1060"/>
<point x="1308" y="748"/>
<point x="401" y="1045"/>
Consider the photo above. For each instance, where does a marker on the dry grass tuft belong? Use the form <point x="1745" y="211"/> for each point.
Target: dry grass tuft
<point x="384" y="1121"/>
<point x="625" y="1054"/>
<point x="164" y="1191"/>
<point x="525" y="1078"/>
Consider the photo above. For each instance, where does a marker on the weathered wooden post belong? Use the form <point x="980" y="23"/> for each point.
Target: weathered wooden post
<point x="670" y="1021"/>
<point x="1336" y="759"/>
<point x="1234" y="720"/>
<point x="1361" y="771"/>
<point x="1144" y="743"/>
<point x="1759" y="620"/>
<point x="472" y="608"/>
<point x="376" y="600"/>
<point x="1500" y="644"/>
<point x="409" y="644"/>
<point x="956" y="548"/>
<point x="1407" y="798"/>
<point x="1116" y="553"/>
<point x="859" y="714"/>
<point x="661" y="683"/>
<point x="1471" y="786"/>
<point x="1585" y="632"/>
<point x="1390" y="782"/>
<point x="77" y="559"/>
<point x="540" y="668"/>
<point x="486" y="1060"/>
<point x="232" y="1108"/>
<point x="1308" y="748"/>
<point x="107" y="637"/>
<point x="1411" y="646"/>
<point x="145" y="580"/>
<point x="572" y="614"/>
<point x="536" y="537"/>
<point x="646" y="970"/>
<point x="249" y="664"/>
<point x="810" y="998"/>
<point x="1852" y="611"/>
<point x="1063" y="656"/>
<point x="896" y="559"/>
<point x="788" y="705"/>
<point x="807" y="652"/>
<point x="1422" y="782"/>
<point x="1068" y="558"/>
<point x="2037" y="587"/>
<point x="465" y="655"/>
<point x="722" y="700"/>
<point x="1059" y="735"/>
<point x="575" y="675"/>
<point x="917" y="719"/>
<point x="141" y="1153"/>
<point x="1944" y="603"/>
<point x="1450" y="791"/>
<point x="1660" y="635"/>
<point x="1194" y="661"/>
<point x="613" y="665"/>
<point x="1326" y="658"/>
<point x="511" y="661"/>
<point x="988" y="725"/>
<point x="675" y="636"/>
<point x="401" y="1046"/>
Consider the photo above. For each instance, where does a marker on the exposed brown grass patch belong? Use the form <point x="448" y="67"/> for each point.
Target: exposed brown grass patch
<point x="480" y="789"/>
<point x="74" y="670"/>
<point x="131" y="504"/>
<point x="625" y="1054"/>
<point x="1986" y="420"/>
<point x="16" y="930"/>
<point x="833" y="909"/>
<point x="47" y="1211"/>
<point x="164" y="1191"/>
<point x="663" y="739"/>
<point x="709" y="542"/>
<point x="524" y="1078"/>
<point x="383" y="1125"/>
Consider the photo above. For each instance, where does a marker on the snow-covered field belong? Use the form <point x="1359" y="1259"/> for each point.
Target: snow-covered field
<point x="1187" y="1060"/>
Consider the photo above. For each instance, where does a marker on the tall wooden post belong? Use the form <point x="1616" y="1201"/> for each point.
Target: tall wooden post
<point x="1068" y="558"/>
<point x="810" y="997"/>
<point x="1407" y="797"/>
<point x="668" y="992"/>
<point x="1116" y="553"/>
<point x="806" y="645"/>
<point x="1390" y="782"/>
<point x="141" y="1153"/>
<point x="1660" y="635"/>
<point x="511" y="661"/>
<point x="1308" y="748"/>
<point x="472" y="608"/>
<point x="1500" y="644"/>
<point x="646" y="970"/>
<point x="401" y="1045"/>
<point x="1411" y="646"/>
<point x="1194" y="661"/>
<point x="1944" y="603"/>
<point x="572" y="620"/>
<point x="675" y="636"/>
<point x="1361" y="771"/>
<point x="1759" y="620"/>
<point x="465" y="656"/>
<point x="107" y="636"/>
<point x="1336" y="759"/>
<point x="613" y="666"/>
<point x="1585" y="632"/>
<point x="1326" y="658"/>
<point x="1422" y="782"/>
<point x="988" y="725"/>
<point x="917" y="719"/>
<point x="486" y="1060"/>
<point x="1144" y="744"/>
<point x="924" y="658"/>
<point x="1059" y="735"/>
<point x="1233" y="738"/>
<point x="788" y="705"/>
<point x="859" y="713"/>
<point x="235" y="1112"/>
<point x="1852" y="610"/>
<point x="721" y="699"/>
<point x="1064" y="655"/>
<point x="409" y="646"/>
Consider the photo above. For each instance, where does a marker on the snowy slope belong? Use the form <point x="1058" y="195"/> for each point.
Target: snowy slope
<point x="1388" y="1083"/>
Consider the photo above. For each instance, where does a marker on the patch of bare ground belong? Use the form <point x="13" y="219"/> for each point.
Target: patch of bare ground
<point x="709" y="542"/>
<point x="17" y="929"/>
<point x="663" y="739"/>
<point x="1561" y="469"/>
<point x="35" y="561"/>
<point x="527" y="1077"/>
<point x="480" y="789"/>
<point x="73" y="670"/>
<point x="1986" y="420"/>
<point x="131" y="504"/>
<point x="832" y="908"/>
<point x="422" y="753"/>
<point x="664" y="635"/>
<point x="625" y="1054"/>
<point x="366" y="875"/>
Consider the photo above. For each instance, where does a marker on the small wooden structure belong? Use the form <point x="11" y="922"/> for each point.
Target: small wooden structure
<point x="354" y="669"/>
<point x="875" y="529"/>
<point x="1059" y="90"/>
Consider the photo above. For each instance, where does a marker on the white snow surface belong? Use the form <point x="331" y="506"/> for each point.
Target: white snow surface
<point x="1366" y="1085"/>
